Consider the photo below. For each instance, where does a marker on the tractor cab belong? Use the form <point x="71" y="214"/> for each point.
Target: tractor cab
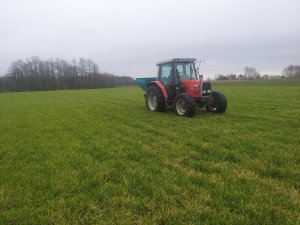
<point x="178" y="75"/>
<point x="177" y="70"/>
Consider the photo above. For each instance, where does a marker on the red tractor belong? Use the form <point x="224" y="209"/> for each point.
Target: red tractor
<point x="178" y="85"/>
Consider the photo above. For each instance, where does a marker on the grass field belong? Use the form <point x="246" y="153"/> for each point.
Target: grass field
<point x="99" y="157"/>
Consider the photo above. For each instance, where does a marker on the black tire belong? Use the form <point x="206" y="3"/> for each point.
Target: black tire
<point x="184" y="105"/>
<point x="220" y="103"/>
<point x="155" y="100"/>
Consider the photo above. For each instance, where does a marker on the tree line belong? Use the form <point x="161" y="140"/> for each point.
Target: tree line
<point x="35" y="74"/>
<point x="251" y="73"/>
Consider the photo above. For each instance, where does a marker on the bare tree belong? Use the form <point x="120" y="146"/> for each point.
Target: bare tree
<point x="251" y="73"/>
<point x="291" y="71"/>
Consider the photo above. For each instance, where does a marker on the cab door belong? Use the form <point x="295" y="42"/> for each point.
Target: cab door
<point x="166" y="76"/>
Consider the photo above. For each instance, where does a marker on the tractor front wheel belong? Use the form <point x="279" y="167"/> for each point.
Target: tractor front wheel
<point x="220" y="103"/>
<point x="184" y="105"/>
<point x="155" y="100"/>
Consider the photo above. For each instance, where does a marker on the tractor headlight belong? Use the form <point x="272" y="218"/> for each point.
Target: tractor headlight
<point x="206" y="91"/>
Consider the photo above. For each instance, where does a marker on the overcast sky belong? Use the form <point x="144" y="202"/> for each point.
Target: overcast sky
<point x="128" y="37"/>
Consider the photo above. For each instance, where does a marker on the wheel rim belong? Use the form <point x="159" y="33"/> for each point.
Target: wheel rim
<point x="180" y="107"/>
<point x="152" y="101"/>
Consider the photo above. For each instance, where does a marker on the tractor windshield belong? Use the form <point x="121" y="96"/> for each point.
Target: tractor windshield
<point x="186" y="70"/>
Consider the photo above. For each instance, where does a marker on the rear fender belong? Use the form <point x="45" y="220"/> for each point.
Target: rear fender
<point x="161" y="87"/>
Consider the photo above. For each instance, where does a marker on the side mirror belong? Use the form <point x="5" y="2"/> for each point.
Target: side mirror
<point x="200" y="77"/>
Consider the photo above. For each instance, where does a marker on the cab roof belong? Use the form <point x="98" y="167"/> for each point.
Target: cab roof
<point x="176" y="60"/>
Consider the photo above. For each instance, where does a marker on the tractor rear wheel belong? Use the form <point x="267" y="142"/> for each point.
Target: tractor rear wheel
<point x="220" y="103"/>
<point x="155" y="100"/>
<point x="184" y="105"/>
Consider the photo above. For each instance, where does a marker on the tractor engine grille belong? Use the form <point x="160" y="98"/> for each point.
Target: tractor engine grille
<point x="206" y="89"/>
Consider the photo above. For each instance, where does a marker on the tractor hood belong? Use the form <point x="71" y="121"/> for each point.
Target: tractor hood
<point x="192" y="87"/>
<point x="197" y="88"/>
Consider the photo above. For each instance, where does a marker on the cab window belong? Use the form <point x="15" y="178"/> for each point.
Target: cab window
<point x="186" y="71"/>
<point x="166" y="73"/>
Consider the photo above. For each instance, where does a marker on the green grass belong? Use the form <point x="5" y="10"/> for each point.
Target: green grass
<point x="99" y="157"/>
